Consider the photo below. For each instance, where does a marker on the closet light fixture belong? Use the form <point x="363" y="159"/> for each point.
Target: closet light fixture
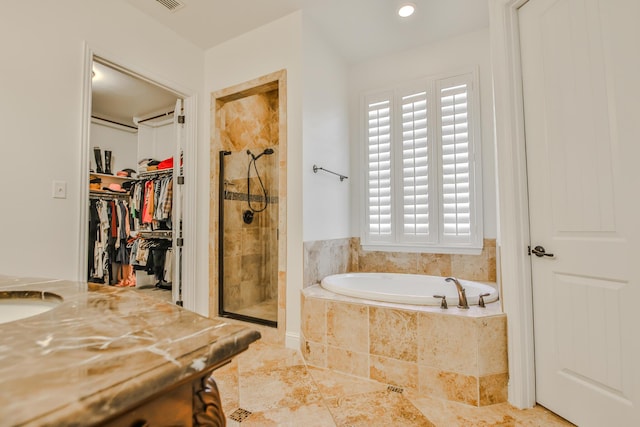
<point x="406" y="10"/>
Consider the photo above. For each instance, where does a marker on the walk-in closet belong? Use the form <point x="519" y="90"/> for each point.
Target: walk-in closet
<point x="135" y="175"/>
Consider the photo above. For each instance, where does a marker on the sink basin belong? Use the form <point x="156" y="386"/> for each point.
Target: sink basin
<point x="16" y="305"/>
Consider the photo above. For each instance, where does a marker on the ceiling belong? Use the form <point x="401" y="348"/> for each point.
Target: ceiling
<point x="358" y="30"/>
<point x="118" y="96"/>
<point x="207" y="23"/>
<point x="365" y="29"/>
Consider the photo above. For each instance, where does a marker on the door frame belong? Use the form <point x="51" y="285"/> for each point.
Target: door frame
<point x="190" y="169"/>
<point x="513" y="201"/>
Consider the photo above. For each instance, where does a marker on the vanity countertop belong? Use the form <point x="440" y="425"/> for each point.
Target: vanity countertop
<point x="102" y="350"/>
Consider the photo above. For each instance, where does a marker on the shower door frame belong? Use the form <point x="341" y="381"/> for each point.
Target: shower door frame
<point x="221" y="198"/>
<point x="276" y="79"/>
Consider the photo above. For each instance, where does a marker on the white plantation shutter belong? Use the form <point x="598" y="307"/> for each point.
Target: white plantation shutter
<point x="415" y="166"/>
<point x="379" y="222"/>
<point x="455" y="146"/>
<point x="422" y="181"/>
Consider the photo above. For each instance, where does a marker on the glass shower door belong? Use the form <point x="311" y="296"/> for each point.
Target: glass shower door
<point x="248" y="235"/>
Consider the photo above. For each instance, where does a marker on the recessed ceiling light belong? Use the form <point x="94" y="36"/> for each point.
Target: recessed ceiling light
<point x="406" y="10"/>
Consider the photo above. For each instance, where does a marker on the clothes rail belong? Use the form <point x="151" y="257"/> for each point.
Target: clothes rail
<point x="155" y="234"/>
<point x="318" y="168"/>
<point x="167" y="114"/>
<point x="108" y="196"/>
<point x="155" y="173"/>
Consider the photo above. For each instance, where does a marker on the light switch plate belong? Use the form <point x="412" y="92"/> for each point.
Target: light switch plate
<point x="59" y="189"/>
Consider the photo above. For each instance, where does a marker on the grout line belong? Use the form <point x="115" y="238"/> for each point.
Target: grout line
<point x="435" y="407"/>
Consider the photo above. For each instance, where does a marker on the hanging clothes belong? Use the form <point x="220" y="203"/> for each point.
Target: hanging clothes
<point x="154" y="199"/>
<point x="114" y="253"/>
<point x="147" y="210"/>
<point x="155" y="256"/>
<point x="109" y="228"/>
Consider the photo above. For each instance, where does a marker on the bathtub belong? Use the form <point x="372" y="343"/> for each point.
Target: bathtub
<point x="415" y="289"/>
<point x="455" y="354"/>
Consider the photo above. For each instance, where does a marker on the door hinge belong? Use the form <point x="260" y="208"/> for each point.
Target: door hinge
<point x="181" y="180"/>
<point x="180" y="242"/>
<point x="181" y="119"/>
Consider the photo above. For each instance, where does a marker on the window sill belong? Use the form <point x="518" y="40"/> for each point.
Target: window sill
<point x="423" y="249"/>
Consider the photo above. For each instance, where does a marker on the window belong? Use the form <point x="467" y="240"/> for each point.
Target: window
<point x="422" y="151"/>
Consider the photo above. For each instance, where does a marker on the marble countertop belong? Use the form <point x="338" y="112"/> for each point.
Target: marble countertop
<point x="102" y="350"/>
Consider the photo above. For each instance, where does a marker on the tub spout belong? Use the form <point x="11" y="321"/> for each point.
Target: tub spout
<point x="462" y="296"/>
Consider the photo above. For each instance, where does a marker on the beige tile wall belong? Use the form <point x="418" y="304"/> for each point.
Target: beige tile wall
<point x="251" y="115"/>
<point x="325" y="257"/>
<point x="457" y="358"/>
<point x="470" y="267"/>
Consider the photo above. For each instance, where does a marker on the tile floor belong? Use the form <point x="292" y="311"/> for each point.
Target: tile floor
<point x="271" y="386"/>
<point x="163" y="294"/>
<point x="267" y="310"/>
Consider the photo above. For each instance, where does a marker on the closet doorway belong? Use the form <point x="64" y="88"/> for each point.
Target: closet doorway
<point x="135" y="149"/>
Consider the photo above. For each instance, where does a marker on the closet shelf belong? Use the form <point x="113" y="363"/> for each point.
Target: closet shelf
<point x="114" y="177"/>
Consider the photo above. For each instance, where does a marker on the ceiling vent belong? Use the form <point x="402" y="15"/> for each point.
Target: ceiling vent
<point x="171" y="5"/>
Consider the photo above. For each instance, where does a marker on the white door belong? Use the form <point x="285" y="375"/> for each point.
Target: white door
<point x="178" y="126"/>
<point x="581" y="71"/>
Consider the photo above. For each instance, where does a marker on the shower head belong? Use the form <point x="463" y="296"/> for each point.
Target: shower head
<point x="267" y="151"/>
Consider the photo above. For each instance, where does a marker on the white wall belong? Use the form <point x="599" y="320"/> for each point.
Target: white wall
<point x="265" y="50"/>
<point x="122" y="144"/>
<point x="41" y="116"/>
<point x="157" y="143"/>
<point x="325" y="199"/>
<point x="43" y="58"/>
<point x="448" y="55"/>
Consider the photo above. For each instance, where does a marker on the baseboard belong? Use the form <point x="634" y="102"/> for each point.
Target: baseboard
<point x="292" y="340"/>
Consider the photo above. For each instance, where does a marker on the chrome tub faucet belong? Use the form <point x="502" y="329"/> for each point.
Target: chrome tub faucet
<point x="462" y="296"/>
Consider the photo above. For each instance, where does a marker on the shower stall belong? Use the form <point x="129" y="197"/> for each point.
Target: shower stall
<point x="248" y="238"/>
<point x="248" y="226"/>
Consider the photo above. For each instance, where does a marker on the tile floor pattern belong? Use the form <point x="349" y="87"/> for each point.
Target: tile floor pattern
<point x="278" y="389"/>
<point x="163" y="294"/>
<point x="267" y="310"/>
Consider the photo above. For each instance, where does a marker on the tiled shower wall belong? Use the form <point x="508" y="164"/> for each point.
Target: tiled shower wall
<point x="251" y="115"/>
<point x="250" y="250"/>
<point x="326" y="257"/>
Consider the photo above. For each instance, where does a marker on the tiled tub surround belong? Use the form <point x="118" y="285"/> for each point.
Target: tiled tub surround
<point x="414" y="289"/>
<point x="102" y="351"/>
<point x="458" y="355"/>
<point x="325" y="257"/>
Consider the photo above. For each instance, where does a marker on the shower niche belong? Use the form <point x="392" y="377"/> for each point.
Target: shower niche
<point x="248" y="147"/>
